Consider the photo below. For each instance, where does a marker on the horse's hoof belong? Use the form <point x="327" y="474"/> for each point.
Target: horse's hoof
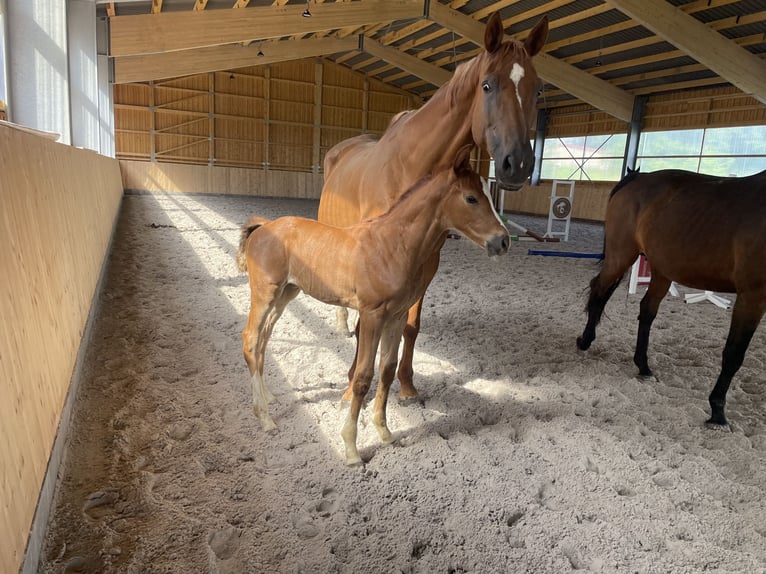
<point x="268" y="425"/>
<point x="354" y="461"/>
<point x="718" y="427"/>
<point x="582" y="345"/>
<point x="385" y="435"/>
<point x="408" y="401"/>
<point x="646" y="376"/>
<point x="718" y="423"/>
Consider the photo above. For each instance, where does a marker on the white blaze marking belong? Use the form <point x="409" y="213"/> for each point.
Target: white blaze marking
<point x="517" y="72"/>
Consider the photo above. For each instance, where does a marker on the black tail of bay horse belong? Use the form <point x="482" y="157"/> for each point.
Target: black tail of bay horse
<point x="698" y="230"/>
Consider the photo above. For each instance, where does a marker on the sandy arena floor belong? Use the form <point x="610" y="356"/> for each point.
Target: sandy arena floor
<point x="525" y="455"/>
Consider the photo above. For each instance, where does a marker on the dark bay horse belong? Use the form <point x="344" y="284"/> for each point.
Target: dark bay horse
<point x="490" y="102"/>
<point x="702" y="231"/>
<point x="372" y="267"/>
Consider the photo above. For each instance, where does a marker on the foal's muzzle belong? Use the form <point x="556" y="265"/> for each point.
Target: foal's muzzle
<point x="497" y="245"/>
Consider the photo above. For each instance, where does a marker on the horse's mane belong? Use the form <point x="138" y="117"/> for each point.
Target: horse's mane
<point x="630" y="176"/>
<point x="460" y="85"/>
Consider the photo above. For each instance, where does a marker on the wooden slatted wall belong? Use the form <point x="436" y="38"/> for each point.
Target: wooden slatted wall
<point x="710" y="108"/>
<point x="279" y="119"/>
<point x="57" y="207"/>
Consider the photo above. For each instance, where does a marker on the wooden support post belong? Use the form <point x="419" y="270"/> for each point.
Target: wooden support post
<point x="316" y="150"/>
<point x="152" y="128"/>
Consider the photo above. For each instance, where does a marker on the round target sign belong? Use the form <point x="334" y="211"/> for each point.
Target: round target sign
<point x="561" y="208"/>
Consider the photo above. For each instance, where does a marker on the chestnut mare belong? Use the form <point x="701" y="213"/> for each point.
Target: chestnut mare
<point x="489" y="102"/>
<point x="372" y="267"/>
<point x="702" y="231"/>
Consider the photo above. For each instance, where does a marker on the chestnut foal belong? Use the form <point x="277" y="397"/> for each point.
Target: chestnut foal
<point x="370" y="267"/>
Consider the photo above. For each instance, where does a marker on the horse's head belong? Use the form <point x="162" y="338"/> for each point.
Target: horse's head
<point x="468" y="208"/>
<point x="505" y="105"/>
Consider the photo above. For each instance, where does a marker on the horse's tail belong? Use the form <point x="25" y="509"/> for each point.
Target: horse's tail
<point x="250" y="225"/>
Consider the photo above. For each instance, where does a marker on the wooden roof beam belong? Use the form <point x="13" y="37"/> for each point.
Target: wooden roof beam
<point x="733" y="63"/>
<point x="588" y="88"/>
<point x="411" y="64"/>
<point x="147" y="67"/>
<point x="167" y="32"/>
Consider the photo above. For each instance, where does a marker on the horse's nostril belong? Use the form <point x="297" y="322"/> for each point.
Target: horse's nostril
<point x="504" y="244"/>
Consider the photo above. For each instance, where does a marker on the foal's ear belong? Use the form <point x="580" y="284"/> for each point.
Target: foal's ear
<point x="537" y="37"/>
<point x="462" y="162"/>
<point x="493" y="33"/>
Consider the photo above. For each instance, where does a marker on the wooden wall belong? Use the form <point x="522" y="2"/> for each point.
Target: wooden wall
<point x="57" y="207"/>
<point x="590" y="199"/>
<point x="282" y="117"/>
<point x="693" y="109"/>
<point x="148" y="176"/>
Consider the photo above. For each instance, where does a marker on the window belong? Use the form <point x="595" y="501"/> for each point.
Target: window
<point x="738" y="151"/>
<point x="585" y="158"/>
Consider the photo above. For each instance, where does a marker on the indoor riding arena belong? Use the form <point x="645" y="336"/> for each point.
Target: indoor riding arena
<point x="140" y="136"/>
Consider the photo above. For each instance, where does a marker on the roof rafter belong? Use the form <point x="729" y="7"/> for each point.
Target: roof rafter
<point x="733" y="63"/>
<point x="147" y="67"/>
<point x="167" y="32"/>
<point x="413" y="65"/>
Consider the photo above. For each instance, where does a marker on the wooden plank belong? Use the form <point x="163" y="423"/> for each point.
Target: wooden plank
<point x="141" y="68"/>
<point x="411" y="64"/>
<point x="165" y="32"/>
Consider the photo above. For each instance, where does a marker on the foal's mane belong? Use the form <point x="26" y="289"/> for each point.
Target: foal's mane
<point x="413" y="188"/>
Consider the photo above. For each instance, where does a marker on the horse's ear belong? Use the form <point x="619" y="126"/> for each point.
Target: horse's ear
<point x="537" y="37"/>
<point x="462" y="162"/>
<point x="494" y="33"/>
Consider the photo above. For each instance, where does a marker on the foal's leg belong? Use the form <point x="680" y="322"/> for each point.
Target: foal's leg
<point x="746" y="315"/>
<point x="655" y="293"/>
<point x="602" y="287"/>
<point x="412" y="328"/>
<point x="410" y="332"/>
<point x="267" y="305"/>
<point x="261" y="304"/>
<point x="369" y="338"/>
<point x="352" y="369"/>
<point x="341" y="318"/>
<point x="389" y="353"/>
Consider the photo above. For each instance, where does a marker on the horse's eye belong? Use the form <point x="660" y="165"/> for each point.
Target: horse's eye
<point x="485" y="86"/>
<point x="470" y="199"/>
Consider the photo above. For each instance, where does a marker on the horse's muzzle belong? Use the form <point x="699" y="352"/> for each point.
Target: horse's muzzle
<point x="498" y="245"/>
<point x="515" y="167"/>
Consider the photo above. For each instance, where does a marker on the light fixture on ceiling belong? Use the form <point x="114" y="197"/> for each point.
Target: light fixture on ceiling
<point x="307" y="12"/>
<point x="260" y="53"/>
<point x="231" y="76"/>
